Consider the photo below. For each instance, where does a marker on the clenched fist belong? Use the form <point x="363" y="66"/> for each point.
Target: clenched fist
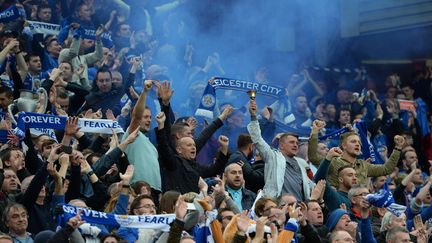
<point x="399" y="141"/>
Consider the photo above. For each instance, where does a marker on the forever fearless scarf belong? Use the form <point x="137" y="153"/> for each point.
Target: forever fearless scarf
<point x="158" y="222"/>
<point x="11" y="13"/>
<point x="37" y="120"/>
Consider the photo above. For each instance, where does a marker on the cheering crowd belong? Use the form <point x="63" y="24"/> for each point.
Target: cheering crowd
<point x="97" y="147"/>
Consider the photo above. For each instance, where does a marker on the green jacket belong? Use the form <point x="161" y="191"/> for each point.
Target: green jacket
<point x="363" y="169"/>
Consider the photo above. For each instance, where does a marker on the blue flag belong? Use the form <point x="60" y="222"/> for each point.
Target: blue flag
<point x="208" y="102"/>
<point x="368" y="150"/>
<point x="11" y="13"/>
<point x="384" y="199"/>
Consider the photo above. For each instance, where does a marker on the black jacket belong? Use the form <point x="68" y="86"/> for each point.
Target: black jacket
<point x="253" y="174"/>
<point x="180" y="174"/>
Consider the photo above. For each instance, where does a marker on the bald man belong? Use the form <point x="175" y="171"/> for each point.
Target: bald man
<point x="181" y="171"/>
<point x="242" y="197"/>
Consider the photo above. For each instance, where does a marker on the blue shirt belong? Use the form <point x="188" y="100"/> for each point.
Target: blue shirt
<point x="236" y="195"/>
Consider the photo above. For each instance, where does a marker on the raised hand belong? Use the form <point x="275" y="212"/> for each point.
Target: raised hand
<point x="54" y="154"/>
<point x="165" y="92"/>
<point x="226" y="112"/>
<point x="54" y="74"/>
<point x="72" y="126"/>
<point x="259" y="232"/>
<point x="333" y="153"/>
<point x="399" y="141"/>
<point x="180" y="208"/>
<point x="76" y="222"/>
<point x="127" y="176"/>
<point x="317" y="125"/>
<point x="223" y="141"/>
<point x="192" y="122"/>
<point x="110" y="115"/>
<point x="147" y="85"/>
<point x="80" y="70"/>
<point x="132" y="136"/>
<point x="421" y="231"/>
<point x="243" y="222"/>
<point x="52" y="171"/>
<point x="252" y="108"/>
<point x="317" y="192"/>
<point x="202" y="185"/>
<point x="219" y="188"/>
<point x="160" y="119"/>
<point x="133" y="93"/>
<point x="100" y="30"/>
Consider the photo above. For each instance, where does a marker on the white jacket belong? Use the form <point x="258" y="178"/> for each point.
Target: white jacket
<point x="275" y="165"/>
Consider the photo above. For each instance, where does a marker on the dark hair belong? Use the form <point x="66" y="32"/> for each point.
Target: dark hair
<point x="42" y="6"/>
<point x="9" y="207"/>
<point x="285" y="135"/>
<point x="137" y="201"/>
<point x="243" y="141"/>
<point x="29" y="56"/>
<point x="343" y="168"/>
<point x="7" y="90"/>
<point x="63" y="95"/>
<point x="91" y="156"/>
<point x="178" y="128"/>
<point x="6" y="154"/>
<point x="116" y="236"/>
<point x="259" y="205"/>
<point x="220" y="211"/>
<point x="138" y="185"/>
<point x="47" y="143"/>
<point x="100" y="70"/>
<point x="168" y="201"/>
<point x="343" y="109"/>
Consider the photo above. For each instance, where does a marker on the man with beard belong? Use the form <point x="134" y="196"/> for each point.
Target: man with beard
<point x="351" y="150"/>
<point x="245" y="152"/>
<point x="243" y="197"/>
<point x="347" y="177"/>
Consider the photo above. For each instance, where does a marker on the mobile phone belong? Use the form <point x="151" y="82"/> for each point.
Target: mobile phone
<point x="65" y="149"/>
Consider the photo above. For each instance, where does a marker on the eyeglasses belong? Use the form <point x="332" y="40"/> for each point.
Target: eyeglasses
<point x="227" y="218"/>
<point x="147" y="206"/>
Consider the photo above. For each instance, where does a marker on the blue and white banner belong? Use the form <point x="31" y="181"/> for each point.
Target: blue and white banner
<point x="203" y="232"/>
<point x="384" y="199"/>
<point x="368" y="150"/>
<point x="242" y="85"/>
<point x="44" y="28"/>
<point x="44" y="121"/>
<point x="44" y="131"/>
<point x="157" y="222"/>
<point x="12" y="13"/>
<point x="99" y="126"/>
<point x="208" y="103"/>
<point x="208" y="100"/>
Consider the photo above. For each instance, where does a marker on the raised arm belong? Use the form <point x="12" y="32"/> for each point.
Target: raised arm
<point x="390" y="164"/>
<point x="95" y="56"/>
<point x="313" y="156"/>
<point x="206" y="134"/>
<point x="140" y="107"/>
<point x="166" y="153"/>
<point x="221" y="160"/>
<point x="255" y="132"/>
